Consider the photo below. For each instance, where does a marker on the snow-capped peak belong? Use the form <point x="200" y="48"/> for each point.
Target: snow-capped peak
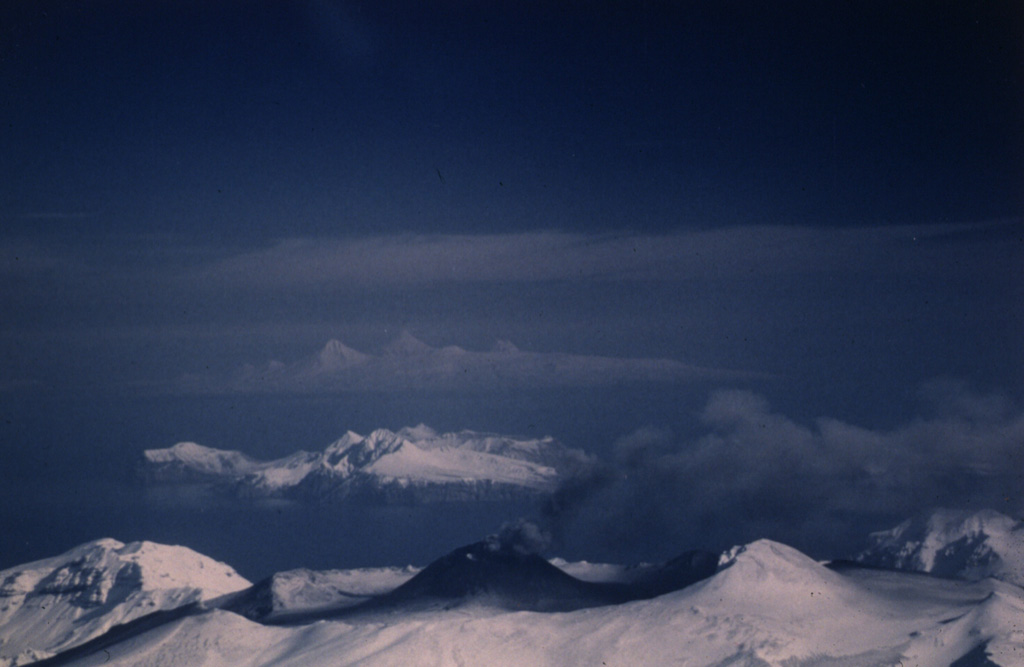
<point x="200" y="459"/>
<point x="769" y="558"/>
<point x="359" y="452"/>
<point x="350" y="438"/>
<point x="775" y="580"/>
<point x="406" y="345"/>
<point x="55" y="603"/>
<point x="335" y="355"/>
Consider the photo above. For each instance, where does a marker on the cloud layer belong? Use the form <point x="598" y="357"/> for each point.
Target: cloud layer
<point x="740" y="251"/>
<point x="886" y="305"/>
<point x="759" y="473"/>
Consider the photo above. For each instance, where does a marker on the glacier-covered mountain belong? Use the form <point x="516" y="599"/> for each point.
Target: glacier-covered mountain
<point x="413" y="465"/>
<point x="952" y="543"/>
<point x="51" y="605"/>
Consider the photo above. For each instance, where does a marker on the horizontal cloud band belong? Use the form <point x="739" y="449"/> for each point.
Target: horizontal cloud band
<point x="542" y="256"/>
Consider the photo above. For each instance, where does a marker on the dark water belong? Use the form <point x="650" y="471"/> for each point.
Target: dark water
<point x="255" y="538"/>
<point x="68" y="469"/>
<point x="68" y="474"/>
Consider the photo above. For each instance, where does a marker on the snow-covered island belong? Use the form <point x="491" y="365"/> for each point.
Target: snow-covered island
<point x="413" y="465"/>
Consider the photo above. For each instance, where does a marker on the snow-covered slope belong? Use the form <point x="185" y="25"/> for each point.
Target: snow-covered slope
<point x="414" y="465"/>
<point x="302" y="592"/>
<point x="545" y="451"/>
<point x="767" y="605"/>
<point x="53" y="604"/>
<point x="951" y="543"/>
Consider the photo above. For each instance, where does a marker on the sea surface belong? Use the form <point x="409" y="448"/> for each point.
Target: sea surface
<point x="69" y="472"/>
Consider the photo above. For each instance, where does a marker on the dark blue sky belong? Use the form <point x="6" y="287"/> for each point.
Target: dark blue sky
<point x="823" y="199"/>
<point x="145" y="145"/>
<point x="249" y="121"/>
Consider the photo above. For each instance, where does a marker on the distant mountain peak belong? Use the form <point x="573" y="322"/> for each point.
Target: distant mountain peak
<point x="336" y="355"/>
<point x="361" y="452"/>
<point x="199" y="460"/>
<point x="406" y="345"/>
<point x="952" y="543"/>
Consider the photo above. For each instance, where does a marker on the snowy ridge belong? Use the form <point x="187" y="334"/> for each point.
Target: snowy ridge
<point x="953" y="543"/>
<point x="196" y="461"/>
<point x="335" y="355"/>
<point x="768" y="604"/>
<point x="413" y="465"/>
<point x="51" y="605"/>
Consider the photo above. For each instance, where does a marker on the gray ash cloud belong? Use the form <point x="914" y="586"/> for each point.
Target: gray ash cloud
<point x="756" y="473"/>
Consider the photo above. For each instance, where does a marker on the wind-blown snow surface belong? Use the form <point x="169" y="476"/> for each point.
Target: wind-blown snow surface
<point x="51" y="605"/>
<point x="953" y="543"/>
<point x="767" y="605"/>
<point x="414" y="464"/>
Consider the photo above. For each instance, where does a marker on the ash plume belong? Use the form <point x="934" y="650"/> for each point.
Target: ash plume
<point x="521" y="536"/>
<point x="756" y="473"/>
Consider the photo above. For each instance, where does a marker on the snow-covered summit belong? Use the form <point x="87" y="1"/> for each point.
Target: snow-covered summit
<point x="53" y="604"/>
<point x="776" y="572"/>
<point x="407" y="345"/>
<point x="952" y="543"/>
<point x="189" y="458"/>
<point x="203" y="460"/>
<point x="353" y="451"/>
<point x="335" y="355"/>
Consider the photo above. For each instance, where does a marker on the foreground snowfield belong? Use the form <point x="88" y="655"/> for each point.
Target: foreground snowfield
<point x="767" y="605"/>
<point x="496" y="602"/>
